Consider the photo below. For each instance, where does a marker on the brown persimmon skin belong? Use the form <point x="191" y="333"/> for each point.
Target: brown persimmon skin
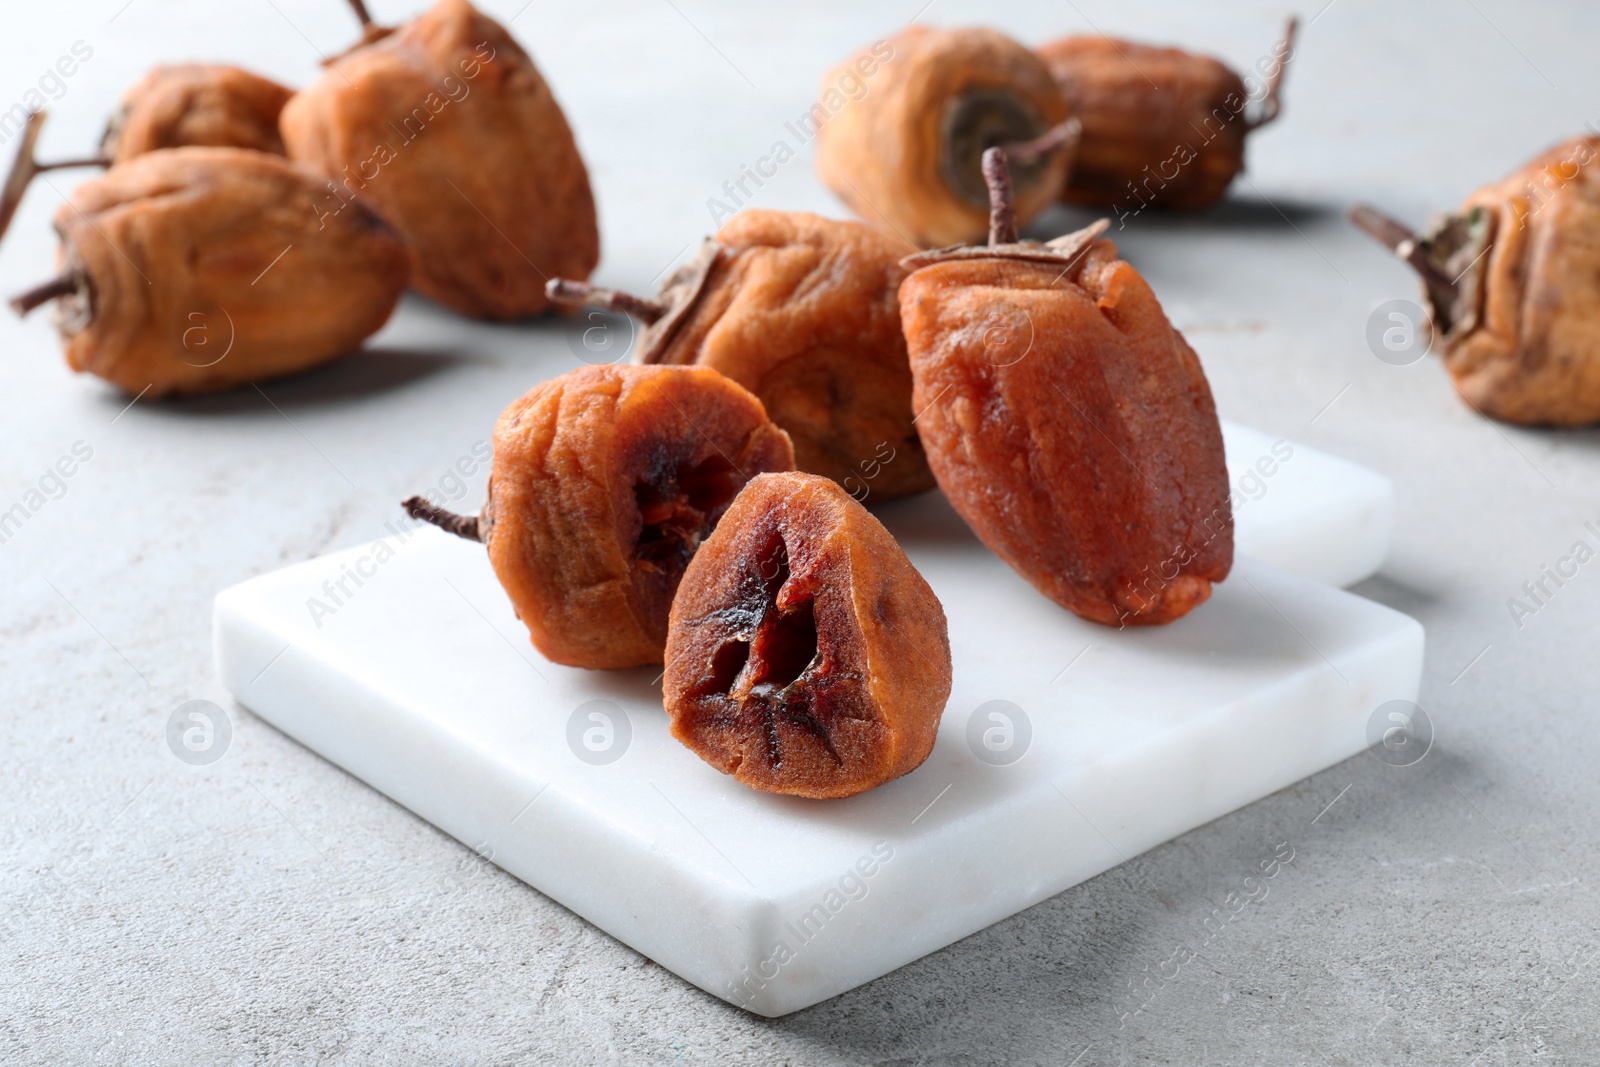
<point x="806" y="655"/>
<point x="882" y="153"/>
<point x="197" y="105"/>
<point x="193" y="252"/>
<point x="448" y="129"/>
<point x="1177" y="143"/>
<point x="804" y="312"/>
<point x="1532" y="353"/>
<point x="1085" y="449"/>
<point x="578" y="462"/>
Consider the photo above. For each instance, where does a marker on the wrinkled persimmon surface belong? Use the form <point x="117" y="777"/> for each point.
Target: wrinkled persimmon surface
<point x="605" y="481"/>
<point x="1160" y="125"/>
<point x="446" y="126"/>
<point x="804" y="312"/>
<point x="1073" y="428"/>
<point x="198" y="105"/>
<point x="806" y="655"/>
<point x="1524" y="345"/>
<point x="206" y="268"/>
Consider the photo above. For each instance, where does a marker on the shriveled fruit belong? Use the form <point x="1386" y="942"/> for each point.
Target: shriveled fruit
<point x="194" y="269"/>
<point x="1068" y="422"/>
<point x="803" y="312"/>
<point x="806" y="655"/>
<point x="906" y="152"/>
<point x="1512" y="283"/>
<point x="605" y="481"/>
<point x="187" y="105"/>
<point x="1161" y="126"/>
<point x="197" y="105"/>
<point x="447" y="128"/>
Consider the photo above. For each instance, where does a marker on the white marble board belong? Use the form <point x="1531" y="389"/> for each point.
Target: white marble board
<point x="422" y="683"/>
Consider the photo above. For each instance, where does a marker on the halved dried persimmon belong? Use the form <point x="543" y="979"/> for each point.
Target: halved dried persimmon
<point x="605" y="481"/>
<point x="805" y="654"/>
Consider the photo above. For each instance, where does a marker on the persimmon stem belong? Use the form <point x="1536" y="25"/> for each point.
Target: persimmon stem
<point x="1271" y="103"/>
<point x="461" y="525"/>
<point x="574" y="294"/>
<point x="1002" y="202"/>
<point x="64" y="285"/>
<point x="22" y="171"/>
<point x="1062" y="135"/>
<point x="55" y="288"/>
<point x="371" y="33"/>
<point x="67" y="164"/>
<point x="24" y="168"/>
<point x="1390" y="233"/>
<point x="1399" y="239"/>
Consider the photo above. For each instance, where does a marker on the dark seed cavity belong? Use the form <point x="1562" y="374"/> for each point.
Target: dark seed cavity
<point x="678" y="508"/>
<point x="756" y="670"/>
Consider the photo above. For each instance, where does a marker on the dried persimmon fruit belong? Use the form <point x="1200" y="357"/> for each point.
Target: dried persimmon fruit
<point x="188" y="270"/>
<point x="197" y="105"/>
<point x="806" y="655"/>
<point x="905" y="151"/>
<point x="447" y="128"/>
<point x="802" y="311"/>
<point x="1512" y="284"/>
<point x="1161" y="126"/>
<point x="1068" y="422"/>
<point x="185" y="105"/>
<point x="604" y="482"/>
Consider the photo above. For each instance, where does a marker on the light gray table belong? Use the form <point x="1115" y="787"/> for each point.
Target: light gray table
<point x="270" y="909"/>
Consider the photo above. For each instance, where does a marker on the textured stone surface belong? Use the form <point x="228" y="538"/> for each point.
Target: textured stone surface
<point x="268" y="908"/>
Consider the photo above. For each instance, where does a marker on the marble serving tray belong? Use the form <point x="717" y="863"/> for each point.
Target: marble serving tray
<point x="1066" y="748"/>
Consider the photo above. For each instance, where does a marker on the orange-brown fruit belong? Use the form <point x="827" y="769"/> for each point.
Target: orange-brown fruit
<point x="1161" y="126"/>
<point x="188" y="270"/>
<point x="199" y="105"/>
<point x="903" y="125"/>
<point x="1069" y="423"/>
<point x="1512" y="283"/>
<point x="448" y="129"/>
<point x="806" y="655"/>
<point x="802" y="311"/>
<point x="605" y="481"/>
